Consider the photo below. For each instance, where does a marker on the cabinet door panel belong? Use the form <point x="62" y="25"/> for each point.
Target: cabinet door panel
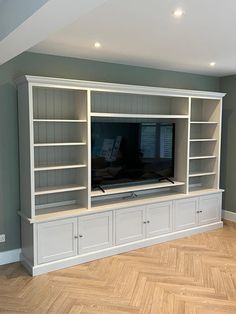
<point x="130" y="225"/>
<point x="57" y="240"/>
<point x="159" y="219"/>
<point x="95" y="232"/>
<point x="209" y="207"/>
<point x="185" y="213"/>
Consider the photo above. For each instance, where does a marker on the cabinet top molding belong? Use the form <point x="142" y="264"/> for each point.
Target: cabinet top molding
<point x="114" y="87"/>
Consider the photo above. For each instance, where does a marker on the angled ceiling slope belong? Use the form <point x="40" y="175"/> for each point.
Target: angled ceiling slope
<point x="25" y="23"/>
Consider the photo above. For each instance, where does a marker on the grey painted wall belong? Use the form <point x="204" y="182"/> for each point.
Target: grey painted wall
<point x="228" y="164"/>
<point x="45" y="65"/>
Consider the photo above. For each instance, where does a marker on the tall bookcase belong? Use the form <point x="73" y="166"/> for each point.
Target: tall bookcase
<point x="54" y="148"/>
<point x="55" y="117"/>
<point x="205" y="139"/>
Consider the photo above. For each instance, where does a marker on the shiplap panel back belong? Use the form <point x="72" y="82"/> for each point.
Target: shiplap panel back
<point x="57" y="103"/>
<point x="52" y="156"/>
<point x="205" y="110"/>
<point x="136" y="104"/>
<point x="202" y="149"/>
<point x="50" y="132"/>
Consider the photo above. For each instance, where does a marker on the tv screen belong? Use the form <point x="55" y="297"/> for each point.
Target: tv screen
<point x="129" y="153"/>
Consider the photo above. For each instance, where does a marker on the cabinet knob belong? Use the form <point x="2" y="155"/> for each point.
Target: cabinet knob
<point x="148" y="222"/>
<point x="200" y="211"/>
<point x="144" y="222"/>
<point x="76" y="237"/>
<point x="81" y="236"/>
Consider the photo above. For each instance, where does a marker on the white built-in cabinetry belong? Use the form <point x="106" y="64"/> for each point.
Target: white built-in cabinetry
<point x="65" y="223"/>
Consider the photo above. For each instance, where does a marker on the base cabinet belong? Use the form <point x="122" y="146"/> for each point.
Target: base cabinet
<point x="159" y="219"/>
<point x="185" y="213"/>
<point x="95" y="232"/>
<point x="133" y="224"/>
<point x="95" y="235"/>
<point x="192" y="212"/>
<point x="130" y="224"/>
<point x="57" y="240"/>
<point x="209" y="209"/>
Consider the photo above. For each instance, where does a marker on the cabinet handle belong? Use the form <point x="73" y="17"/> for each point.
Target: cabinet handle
<point x="200" y="211"/>
<point x="81" y="236"/>
<point x="76" y="237"/>
<point x="144" y="222"/>
<point x="148" y="222"/>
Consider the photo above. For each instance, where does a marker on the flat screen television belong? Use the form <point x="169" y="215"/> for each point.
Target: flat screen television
<point x="125" y="153"/>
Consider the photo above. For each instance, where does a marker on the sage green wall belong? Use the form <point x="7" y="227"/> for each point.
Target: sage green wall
<point x="228" y="159"/>
<point x="45" y="65"/>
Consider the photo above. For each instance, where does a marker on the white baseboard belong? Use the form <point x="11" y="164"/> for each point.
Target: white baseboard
<point x="231" y="216"/>
<point x="10" y="256"/>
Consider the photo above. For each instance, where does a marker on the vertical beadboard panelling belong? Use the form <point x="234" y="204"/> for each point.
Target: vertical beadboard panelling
<point x="138" y="104"/>
<point x="57" y="103"/>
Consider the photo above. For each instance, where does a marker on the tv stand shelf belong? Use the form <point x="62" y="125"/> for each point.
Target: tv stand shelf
<point x="136" y="188"/>
<point x="63" y="221"/>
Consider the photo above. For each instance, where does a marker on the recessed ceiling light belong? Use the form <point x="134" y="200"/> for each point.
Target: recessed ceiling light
<point x="178" y="13"/>
<point x="97" y="44"/>
<point x="212" y="64"/>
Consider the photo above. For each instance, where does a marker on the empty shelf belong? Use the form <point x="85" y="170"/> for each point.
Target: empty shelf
<point x="201" y="157"/>
<point x="132" y="115"/>
<point x="204" y="122"/>
<point x="59" y="144"/>
<point x="58" y="120"/>
<point x="203" y="139"/>
<point x="200" y="174"/>
<point x="58" y="167"/>
<point x="58" y="189"/>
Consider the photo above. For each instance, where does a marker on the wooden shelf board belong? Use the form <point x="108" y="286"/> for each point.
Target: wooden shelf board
<point x="58" y="167"/>
<point x="203" y="122"/>
<point x="195" y="191"/>
<point x="201" y="157"/>
<point x="59" y="120"/>
<point x="59" y="144"/>
<point x="58" y="189"/>
<point x="141" y="187"/>
<point x="200" y="174"/>
<point x="132" y="115"/>
<point x="203" y="139"/>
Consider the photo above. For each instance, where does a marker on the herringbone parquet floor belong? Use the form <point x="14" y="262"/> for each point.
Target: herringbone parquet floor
<point x="194" y="275"/>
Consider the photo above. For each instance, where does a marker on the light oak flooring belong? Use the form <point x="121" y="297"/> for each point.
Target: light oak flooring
<point x="194" y="275"/>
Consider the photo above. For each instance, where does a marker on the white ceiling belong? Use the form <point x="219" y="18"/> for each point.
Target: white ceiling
<point x="145" y="33"/>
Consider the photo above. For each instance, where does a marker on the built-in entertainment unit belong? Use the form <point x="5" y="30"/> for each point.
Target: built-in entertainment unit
<point x="108" y="168"/>
<point x="125" y="153"/>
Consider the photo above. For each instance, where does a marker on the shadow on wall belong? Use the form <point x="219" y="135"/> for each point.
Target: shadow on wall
<point x="226" y="156"/>
<point x="9" y="168"/>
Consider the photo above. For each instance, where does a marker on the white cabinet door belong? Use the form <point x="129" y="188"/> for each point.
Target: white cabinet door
<point x="95" y="232"/>
<point x="57" y="240"/>
<point x="185" y="213"/>
<point x="159" y="219"/>
<point x="209" y="209"/>
<point x="130" y="224"/>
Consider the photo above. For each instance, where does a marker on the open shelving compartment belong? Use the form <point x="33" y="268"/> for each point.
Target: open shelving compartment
<point x="60" y="129"/>
<point x="113" y="104"/>
<point x="204" y="148"/>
